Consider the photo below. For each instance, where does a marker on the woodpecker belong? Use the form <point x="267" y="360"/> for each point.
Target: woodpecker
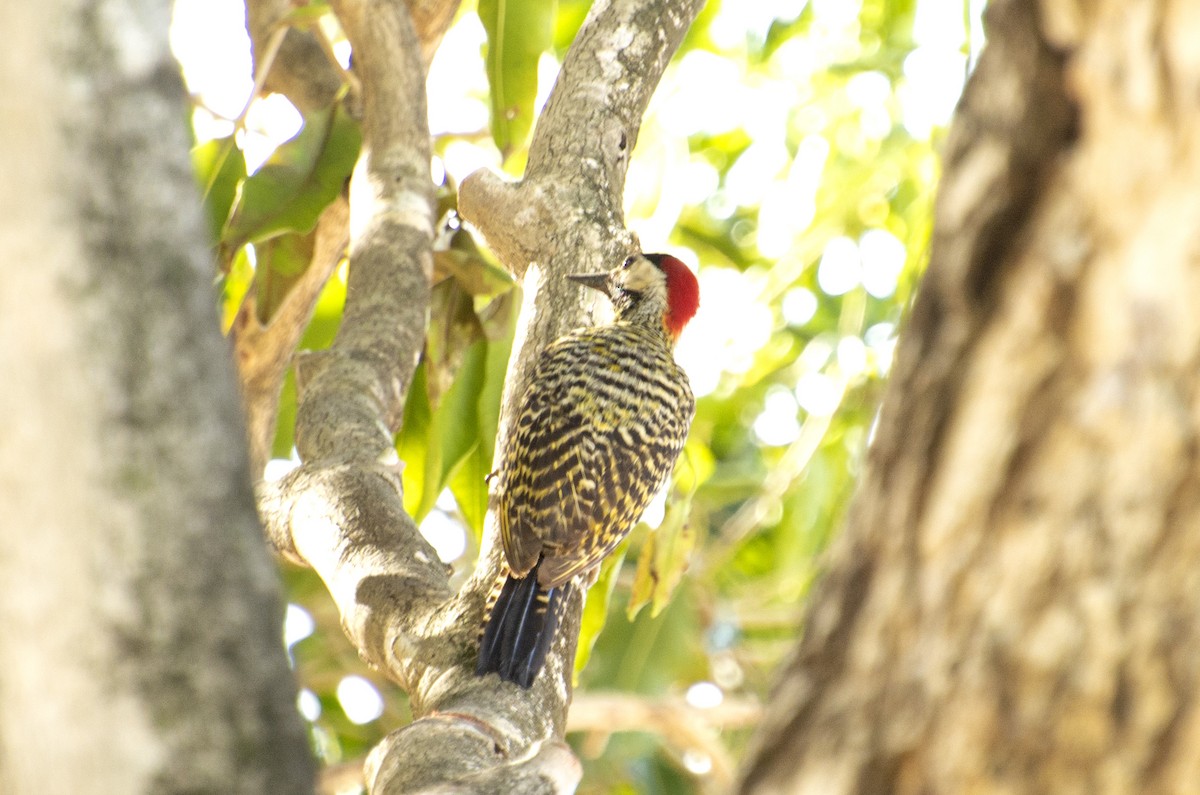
<point x="604" y="417"/>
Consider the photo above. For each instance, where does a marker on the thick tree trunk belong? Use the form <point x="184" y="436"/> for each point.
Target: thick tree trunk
<point x="1012" y="607"/>
<point x="141" y="648"/>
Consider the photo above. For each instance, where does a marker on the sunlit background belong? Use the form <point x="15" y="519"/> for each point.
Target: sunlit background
<point x="789" y="156"/>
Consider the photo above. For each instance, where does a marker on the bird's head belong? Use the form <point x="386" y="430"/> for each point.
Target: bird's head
<point x="650" y="288"/>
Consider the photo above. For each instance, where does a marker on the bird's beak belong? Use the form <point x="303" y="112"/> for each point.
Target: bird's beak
<point x="597" y="281"/>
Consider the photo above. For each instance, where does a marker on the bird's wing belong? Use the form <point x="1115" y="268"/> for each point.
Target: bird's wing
<point x="543" y="484"/>
<point x="590" y="449"/>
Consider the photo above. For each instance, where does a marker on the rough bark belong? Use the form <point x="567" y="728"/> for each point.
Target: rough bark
<point x="1012" y="605"/>
<point x="298" y="64"/>
<point x="341" y="512"/>
<point x="142" y="647"/>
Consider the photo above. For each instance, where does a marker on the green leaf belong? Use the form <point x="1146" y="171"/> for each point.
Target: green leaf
<point x="663" y="560"/>
<point x="285" y="419"/>
<point x="281" y="261"/>
<point x="457" y="416"/>
<point x="472" y="272"/>
<point x="299" y="180"/>
<point x="327" y="315"/>
<point x="435" y="442"/>
<point x="568" y="19"/>
<point x="500" y="326"/>
<point x="319" y="334"/>
<point x="453" y="326"/>
<point x="219" y="168"/>
<point x="306" y="15"/>
<point x="643" y="578"/>
<point x="595" y="608"/>
<point x="518" y="32"/>
<point x="412" y="444"/>
<point x="239" y="276"/>
<point x="468" y="481"/>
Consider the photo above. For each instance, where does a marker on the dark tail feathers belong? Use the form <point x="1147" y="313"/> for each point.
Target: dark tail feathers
<point x="519" y="629"/>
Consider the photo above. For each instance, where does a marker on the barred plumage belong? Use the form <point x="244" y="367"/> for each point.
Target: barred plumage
<point x="600" y="426"/>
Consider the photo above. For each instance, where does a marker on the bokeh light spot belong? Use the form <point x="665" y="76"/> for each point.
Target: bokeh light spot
<point x="798" y="306"/>
<point x="298" y="624"/>
<point x="818" y="394"/>
<point x="704" y="695"/>
<point x="883" y="258"/>
<point x="778" y="424"/>
<point x="360" y="699"/>
<point x="840" y="269"/>
<point x="445" y="533"/>
<point x="308" y="704"/>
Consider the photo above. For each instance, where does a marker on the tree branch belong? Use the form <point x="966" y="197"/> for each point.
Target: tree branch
<point x="682" y="727"/>
<point x="341" y="511"/>
<point x="301" y="69"/>
<point x="601" y="715"/>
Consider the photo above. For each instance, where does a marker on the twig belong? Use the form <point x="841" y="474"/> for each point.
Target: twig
<point x="682" y="726"/>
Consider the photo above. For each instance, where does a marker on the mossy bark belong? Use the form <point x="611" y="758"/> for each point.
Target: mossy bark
<point x="142" y="615"/>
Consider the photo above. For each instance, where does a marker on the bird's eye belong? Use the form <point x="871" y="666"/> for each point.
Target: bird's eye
<point x="628" y="261"/>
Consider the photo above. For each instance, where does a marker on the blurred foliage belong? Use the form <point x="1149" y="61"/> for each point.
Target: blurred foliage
<point x="790" y="154"/>
<point x="517" y="35"/>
